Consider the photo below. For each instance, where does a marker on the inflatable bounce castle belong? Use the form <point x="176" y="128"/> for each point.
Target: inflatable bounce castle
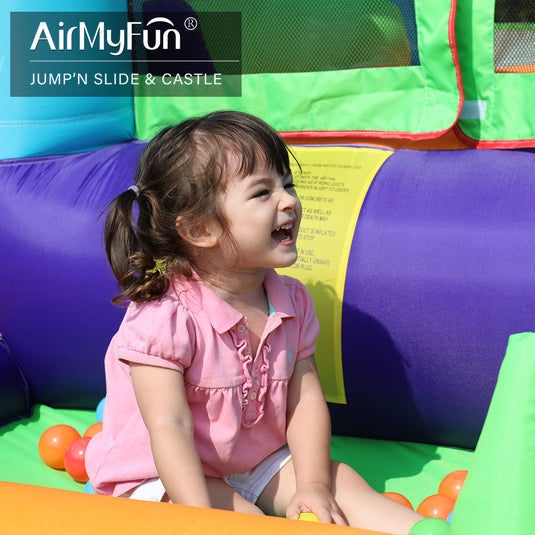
<point x="414" y="125"/>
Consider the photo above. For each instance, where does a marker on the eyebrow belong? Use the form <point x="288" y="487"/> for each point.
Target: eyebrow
<point x="260" y="181"/>
<point x="268" y="178"/>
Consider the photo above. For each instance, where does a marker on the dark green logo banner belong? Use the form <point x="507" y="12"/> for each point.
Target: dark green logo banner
<point x="112" y="54"/>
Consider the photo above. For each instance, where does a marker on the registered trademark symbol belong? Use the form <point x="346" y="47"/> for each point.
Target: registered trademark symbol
<point x="190" y="23"/>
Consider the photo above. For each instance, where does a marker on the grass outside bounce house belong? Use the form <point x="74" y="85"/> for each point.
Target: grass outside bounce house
<point x="420" y="261"/>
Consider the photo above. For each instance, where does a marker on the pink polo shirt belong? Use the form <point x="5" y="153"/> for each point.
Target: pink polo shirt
<point x="238" y="401"/>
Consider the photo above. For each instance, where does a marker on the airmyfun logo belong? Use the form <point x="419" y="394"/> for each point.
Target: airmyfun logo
<point x="116" y="54"/>
<point x="104" y="39"/>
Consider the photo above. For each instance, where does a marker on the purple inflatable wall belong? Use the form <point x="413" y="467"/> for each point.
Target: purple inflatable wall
<point x="441" y="272"/>
<point x="55" y="285"/>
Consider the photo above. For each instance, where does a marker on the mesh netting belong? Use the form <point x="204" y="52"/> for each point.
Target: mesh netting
<point x="303" y="36"/>
<point x="514" y="36"/>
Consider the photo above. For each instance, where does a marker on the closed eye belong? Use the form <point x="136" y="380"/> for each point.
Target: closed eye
<point x="290" y="185"/>
<point x="262" y="193"/>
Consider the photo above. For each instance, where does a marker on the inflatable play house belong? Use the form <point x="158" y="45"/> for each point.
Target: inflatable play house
<point x="414" y="128"/>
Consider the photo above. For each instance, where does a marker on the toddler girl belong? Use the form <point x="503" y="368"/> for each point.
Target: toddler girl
<point x="213" y="398"/>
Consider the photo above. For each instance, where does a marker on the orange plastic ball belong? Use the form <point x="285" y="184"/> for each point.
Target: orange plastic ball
<point x="452" y="484"/>
<point x="93" y="430"/>
<point x="436" y="506"/>
<point x="397" y="497"/>
<point x="75" y="459"/>
<point x="53" y="444"/>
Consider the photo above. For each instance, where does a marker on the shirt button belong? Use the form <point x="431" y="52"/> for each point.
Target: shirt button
<point x="241" y="328"/>
<point x="253" y="395"/>
<point x="256" y="374"/>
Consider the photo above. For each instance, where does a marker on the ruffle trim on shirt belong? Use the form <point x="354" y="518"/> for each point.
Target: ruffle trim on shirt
<point x="256" y="384"/>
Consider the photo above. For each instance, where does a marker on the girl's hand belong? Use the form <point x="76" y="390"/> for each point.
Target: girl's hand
<point x="316" y="498"/>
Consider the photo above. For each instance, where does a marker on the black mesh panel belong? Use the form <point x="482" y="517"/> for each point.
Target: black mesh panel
<point x="307" y="36"/>
<point x="514" y="36"/>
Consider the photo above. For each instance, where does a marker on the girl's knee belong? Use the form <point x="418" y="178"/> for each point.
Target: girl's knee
<point x="248" y="507"/>
<point x="223" y="496"/>
<point x="344" y="476"/>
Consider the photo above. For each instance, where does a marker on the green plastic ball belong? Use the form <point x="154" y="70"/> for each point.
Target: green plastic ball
<point x="430" y="526"/>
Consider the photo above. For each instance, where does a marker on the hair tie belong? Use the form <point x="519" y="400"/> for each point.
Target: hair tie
<point x="135" y="189"/>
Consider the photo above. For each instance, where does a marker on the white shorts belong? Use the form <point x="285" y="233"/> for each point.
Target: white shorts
<point x="249" y="484"/>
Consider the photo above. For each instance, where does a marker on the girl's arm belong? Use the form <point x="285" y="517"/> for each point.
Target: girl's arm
<point x="161" y="397"/>
<point x="309" y="439"/>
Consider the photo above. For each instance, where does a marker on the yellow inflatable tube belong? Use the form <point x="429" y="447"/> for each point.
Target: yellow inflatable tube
<point x="33" y="510"/>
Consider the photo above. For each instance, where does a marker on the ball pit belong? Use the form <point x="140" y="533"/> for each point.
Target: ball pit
<point x="430" y="526"/>
<point x="396" y="496"/>
<point x="436" y="506"/>
<point x="93" y="429"/>
<point x="63" y="448"/>
<point x="440" y="505"/>
<point x="100" y="410"/>
<point x="54" y="443"/>
<point x="452" y="484"/>
<point x="309" y="517"/>
<point x="75" y="459"/>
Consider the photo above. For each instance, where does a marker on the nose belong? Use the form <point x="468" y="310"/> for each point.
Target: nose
<point x="291" y="206"/>
<point x="289" y="200"/>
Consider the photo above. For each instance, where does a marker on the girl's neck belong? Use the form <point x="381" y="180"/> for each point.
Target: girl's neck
<point x="244" y="292"/>
<point x="238" y="289"/>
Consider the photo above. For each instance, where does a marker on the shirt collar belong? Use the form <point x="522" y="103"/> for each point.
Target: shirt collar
<point x="224" y="317"/>
<point x="278" y="297"/>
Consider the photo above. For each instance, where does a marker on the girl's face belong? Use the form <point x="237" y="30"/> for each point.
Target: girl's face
<point x="263" y="213"/>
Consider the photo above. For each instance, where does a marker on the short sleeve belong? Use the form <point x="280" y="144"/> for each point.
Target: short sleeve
<point x="309" y="324"/>
<point x="157" y="333"/>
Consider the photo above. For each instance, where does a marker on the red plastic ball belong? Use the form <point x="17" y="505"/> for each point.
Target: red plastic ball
<point x="452" y="484"/>
<point x="436" y="506"/>
<point x="54" y="443"/>
<point x="397" y="497"/>
<point x="75" y="459"/>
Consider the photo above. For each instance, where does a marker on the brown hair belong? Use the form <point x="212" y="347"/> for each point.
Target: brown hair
<point x="182" y="171"/>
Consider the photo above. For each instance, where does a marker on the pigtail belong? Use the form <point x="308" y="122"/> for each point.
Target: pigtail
<point x="148" y="265"/>
<point x="121" y="241"/>
<point x="139" y="273"/>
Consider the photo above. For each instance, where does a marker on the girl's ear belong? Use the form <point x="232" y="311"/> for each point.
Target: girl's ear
<point x="205" y="235"/>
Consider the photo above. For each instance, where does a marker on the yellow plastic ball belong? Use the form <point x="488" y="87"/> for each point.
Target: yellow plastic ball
<point x="310" y="517"/>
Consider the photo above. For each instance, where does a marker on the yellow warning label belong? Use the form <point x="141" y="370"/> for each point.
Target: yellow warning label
<point x="332" y="185"/>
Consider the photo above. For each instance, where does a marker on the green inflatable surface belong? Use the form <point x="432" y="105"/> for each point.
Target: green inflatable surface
<point x="414" y="470"/>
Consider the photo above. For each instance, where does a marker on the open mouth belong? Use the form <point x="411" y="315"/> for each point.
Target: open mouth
<point x="283" y="234"/>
